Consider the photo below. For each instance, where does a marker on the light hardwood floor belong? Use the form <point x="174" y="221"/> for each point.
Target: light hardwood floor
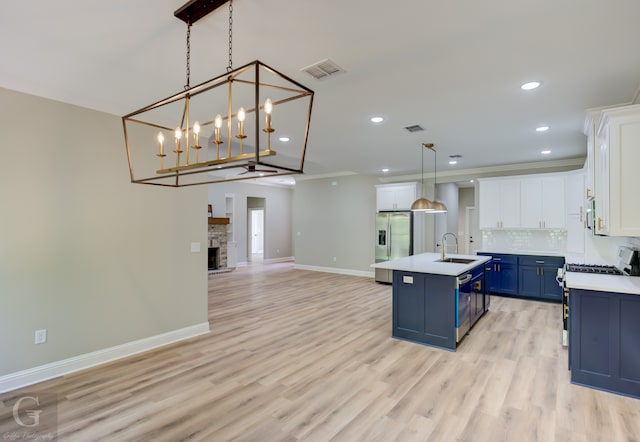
<point x="299" y="355"/>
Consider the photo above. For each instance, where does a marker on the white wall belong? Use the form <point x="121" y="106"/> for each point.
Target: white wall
<point x="85" y="254"/>
<point x="335" y="217"/>
<point x="278" y="243"/>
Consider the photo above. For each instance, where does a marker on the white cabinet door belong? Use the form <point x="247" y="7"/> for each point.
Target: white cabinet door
<point x="385" y="198"/>
<point x="489" y="201"/>
<point x="574" y="185"/>
<point x="391" y="197"/>
<point x="499" y="204"/>
<point x="542" y="203"/>
<point x="405" y="196"/>
<point x="621" y="214"/>
<point x="590" y="126"/>
<point x="602" y="181"/>
<point x="531" y="203"/>
<point x="510" y="203"/>
<point x="553" y="207"/>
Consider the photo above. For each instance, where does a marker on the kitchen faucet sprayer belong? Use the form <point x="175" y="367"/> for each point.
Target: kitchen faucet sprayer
<point x="444" y="244"/>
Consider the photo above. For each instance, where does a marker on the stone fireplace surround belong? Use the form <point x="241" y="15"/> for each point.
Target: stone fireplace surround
<point x="217" y="237"/>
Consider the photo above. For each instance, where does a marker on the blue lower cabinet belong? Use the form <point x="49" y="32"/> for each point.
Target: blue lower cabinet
<point x="537" y="277"/>
<point x="604" y="338"/>
<point x="504" y="273"/>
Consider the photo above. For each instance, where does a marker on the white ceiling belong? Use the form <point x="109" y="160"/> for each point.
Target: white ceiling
<point x="453" y="67"/>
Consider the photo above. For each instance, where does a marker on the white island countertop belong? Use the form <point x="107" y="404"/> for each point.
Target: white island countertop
<point x="429" y="263"/>
<point x="603" y="283"/>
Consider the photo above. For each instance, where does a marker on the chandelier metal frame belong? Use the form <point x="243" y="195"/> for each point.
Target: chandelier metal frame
<point x="256" y="77"/>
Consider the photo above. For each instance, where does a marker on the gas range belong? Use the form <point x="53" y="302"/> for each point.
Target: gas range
<point x="593" y="268"/>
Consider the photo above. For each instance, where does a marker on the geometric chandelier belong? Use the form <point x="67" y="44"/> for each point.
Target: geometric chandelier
<point x="247" y="123"/>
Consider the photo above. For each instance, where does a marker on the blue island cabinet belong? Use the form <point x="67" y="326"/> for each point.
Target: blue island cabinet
<point x="604" y="340"/>
<point x="424" y="308"/>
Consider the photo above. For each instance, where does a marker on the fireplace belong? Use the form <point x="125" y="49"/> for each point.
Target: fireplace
<point x="214" y="258"/>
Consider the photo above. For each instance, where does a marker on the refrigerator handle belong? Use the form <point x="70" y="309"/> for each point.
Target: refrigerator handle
<point x="389" y="241"/>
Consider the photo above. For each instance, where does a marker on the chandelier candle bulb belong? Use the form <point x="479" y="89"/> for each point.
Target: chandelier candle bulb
<point x="161" y="142"/>
<point x="196" y="131"/>
<point x="178" y="134"/>
<point x="241" y="117"/>
<point x="268" y="108"/>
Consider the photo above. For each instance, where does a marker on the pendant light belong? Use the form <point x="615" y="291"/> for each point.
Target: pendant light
<point x="438" y="206"/>
<point x="422" y="204"/>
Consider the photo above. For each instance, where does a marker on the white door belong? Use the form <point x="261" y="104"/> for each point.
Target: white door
<point x="257" y="231"/>
<point x="473" y="234"/>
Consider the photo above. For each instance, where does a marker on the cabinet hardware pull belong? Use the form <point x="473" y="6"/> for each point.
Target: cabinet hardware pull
<point x="538" y="271"/>
<point x="539" y="262"/>
<point x="599" y="223"/>
<point x="477" y="285"/>
<point x="589" y="193"/>
<point x="581" y="213"/>
<point x="566" y="311"/>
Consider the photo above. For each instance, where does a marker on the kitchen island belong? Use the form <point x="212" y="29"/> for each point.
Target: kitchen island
<point x="436" y="301"/>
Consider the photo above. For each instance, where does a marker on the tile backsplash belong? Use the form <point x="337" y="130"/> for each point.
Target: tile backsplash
<point x="523" y="239"/>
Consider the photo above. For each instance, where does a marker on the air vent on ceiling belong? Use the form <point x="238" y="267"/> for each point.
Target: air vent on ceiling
<point x="323" y="69"/>
<point x="414" y="128"/>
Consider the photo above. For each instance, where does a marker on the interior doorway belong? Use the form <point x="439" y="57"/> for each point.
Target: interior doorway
<point x="255" y="229"/>
<point x="473" y="239"/>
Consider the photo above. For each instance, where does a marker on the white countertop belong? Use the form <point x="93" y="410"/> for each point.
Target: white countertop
<point x="428" y="263"/>
<point x="603" y="283"/>
<point x="523" y="252"/>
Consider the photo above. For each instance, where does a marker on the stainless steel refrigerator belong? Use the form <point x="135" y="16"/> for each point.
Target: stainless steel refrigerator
<point x="394" y="240"/>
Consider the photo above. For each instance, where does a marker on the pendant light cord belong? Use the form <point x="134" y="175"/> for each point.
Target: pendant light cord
<point x="422" y="172"/>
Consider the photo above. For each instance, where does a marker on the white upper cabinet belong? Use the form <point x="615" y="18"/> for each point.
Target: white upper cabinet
<point x="617" y="203"/>
<point x="590" y="127"/>
<point x="542" y="203"/>
<point x="575" y="220"/>
<point x="499" y="202"/>
<point x="398" y="196"/>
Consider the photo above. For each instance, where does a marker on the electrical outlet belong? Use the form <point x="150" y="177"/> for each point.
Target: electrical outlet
<point x="41" y="336"/>
<point x="195" y="247"/>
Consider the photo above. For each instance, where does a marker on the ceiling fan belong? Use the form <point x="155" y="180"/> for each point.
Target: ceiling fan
<point x="251" y="168"/>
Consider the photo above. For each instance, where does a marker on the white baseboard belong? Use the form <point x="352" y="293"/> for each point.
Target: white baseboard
<point x="335" y="270"/>
<point x="283" y="259"/>
<point x="45" y="372"/>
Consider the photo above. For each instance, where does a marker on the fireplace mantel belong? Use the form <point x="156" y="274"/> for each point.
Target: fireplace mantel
<point x="211" y="220"/>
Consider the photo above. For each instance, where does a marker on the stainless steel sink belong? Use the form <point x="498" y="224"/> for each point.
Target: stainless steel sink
<point x="457" y="260"/>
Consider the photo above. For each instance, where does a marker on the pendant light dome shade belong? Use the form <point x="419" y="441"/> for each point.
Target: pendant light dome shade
<point x="439" y="207"/>
<point x="422" y="205"/>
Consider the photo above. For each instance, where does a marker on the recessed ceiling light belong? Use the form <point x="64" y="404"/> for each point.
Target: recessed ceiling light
<point x="471" y="181"/>
<point x="385" y="170"/>
<point x="453" y="162"/>
<point x="530" y="85"/>
<point x="542" y="128"/>
<point x="377" y="119"/>
<point x="284" y="139"/>
<point x="545" y="152"/>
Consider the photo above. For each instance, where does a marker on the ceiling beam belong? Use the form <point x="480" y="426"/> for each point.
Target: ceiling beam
<point x="194" y="10"/>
